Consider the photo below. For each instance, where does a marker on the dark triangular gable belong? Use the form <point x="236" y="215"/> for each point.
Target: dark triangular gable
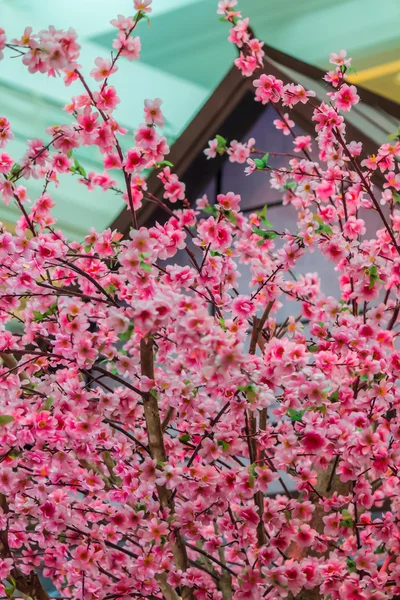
<point x="230" y="112"/>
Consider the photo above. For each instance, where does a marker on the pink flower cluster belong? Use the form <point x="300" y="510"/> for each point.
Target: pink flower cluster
<point x="50" y="51"/>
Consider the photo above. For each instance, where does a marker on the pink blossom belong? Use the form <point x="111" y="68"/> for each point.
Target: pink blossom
<point x="123" y="23"/>
<point x="143" y="5"/>
<point x="107" y="99"/>
<point x="313" y="441"/>
<point x="229" y="201"/>
<point x="225" y="6"/>
<point x="346" y="97"/>
<point x="268" y="88"/>
<point x="128" y="46"/>
<point x="146" y="137"/>
<point x="6" y="565"/>
<point x="354" y="227"/>
<point x="246" y="64"/>
<point x="302" y="142"/>
<point x="103" y="69"/>
<point x="242" y="306"/>
<point x="6" y="163"/>
<point x="152" y="112"/>
<point x="211" y="151"/>
<point x="5" y="132"/>
<point x="284" y="125"/>
<point x="135" y="161"/>
<point x="3" y="39"/>
<point x="239" y="152"/>
<point x="292" y="94"/>
<point x="340" y="58"/>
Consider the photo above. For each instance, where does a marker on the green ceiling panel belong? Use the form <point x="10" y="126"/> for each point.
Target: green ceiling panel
<point x="185" y="53"/>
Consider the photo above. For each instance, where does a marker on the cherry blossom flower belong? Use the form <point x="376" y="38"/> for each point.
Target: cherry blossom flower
<point x="340" y="58"/>
<point x="103" y="69"/>
<point x="346" y="97"/>
<point x="284" y="125"/>
<point x="152" y="112"/>
<point x="143" y="5"/>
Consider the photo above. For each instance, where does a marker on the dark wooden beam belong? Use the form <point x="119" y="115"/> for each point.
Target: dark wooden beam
<point x="368" y="97"/>
<point x="231" y="111"/>
<point x="302" y="115"/>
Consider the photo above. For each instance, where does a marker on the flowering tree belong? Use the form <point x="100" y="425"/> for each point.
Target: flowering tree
<point x="146" y="406"/>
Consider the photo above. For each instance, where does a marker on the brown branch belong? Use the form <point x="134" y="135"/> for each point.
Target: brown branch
<point x="158" y="453"/>
<point x="27" y="584"/>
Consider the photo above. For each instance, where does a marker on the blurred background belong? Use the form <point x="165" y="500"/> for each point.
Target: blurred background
<point x="185" y="54"/>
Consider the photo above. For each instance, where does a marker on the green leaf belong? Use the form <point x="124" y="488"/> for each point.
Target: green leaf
<point x="323" y="228"/>
<point x="250" y="392"/>
<point x="347" y="520"/>
<point x="222" y="323"/>
<point x="9" y="590"/>
<point x="146" y="267"/>
<point x="222" y="143"/>
<point x="16" y="168"/>
<point x="295" y="415"/>
<point x="373" y="276"/>
<point x="334" y="397"/>
<point x="211" y="210"/>
<point x="258" y="231"/>
<point x="164" y="163"/>
<point x="265" y="158"/>
<point x="346" y="523"/>
<point x="49" y="403"/>
<point x="142" y="15"/>
<point x="396" y="196"/>
<point x="215" y="253"/>
<point x="251" y="482"/>
<point x="184" y="438"/>
<point x="221" y="140"/>
<point x="224" y="445"/>
<point x="313" y="348"/>
<point x="252" y="470"/>
<point x="266" y="235"/>
<point x="5" y="419"/>
<point x="38" y="316"/>
<point x="126" y="335"/>
<point x="259" y="163"/>
<point x="110" y="289"/>
<point x="263" y="217"/>
<point x="232" y="218"/>
<point x="351" y="565"/>
<point x="78" y="168"/>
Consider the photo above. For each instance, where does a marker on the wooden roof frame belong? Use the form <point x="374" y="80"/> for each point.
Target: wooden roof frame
<point x="231" y="111"/>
